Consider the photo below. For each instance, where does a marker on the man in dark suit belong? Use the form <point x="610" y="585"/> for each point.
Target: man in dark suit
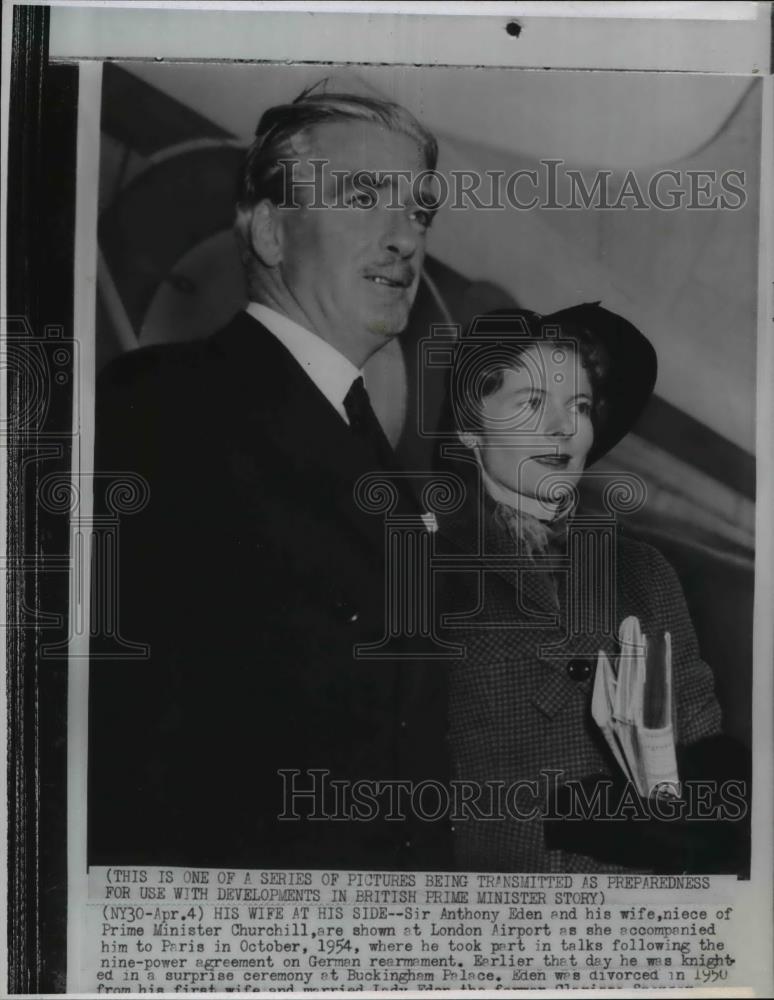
<point x="252" y="573"/>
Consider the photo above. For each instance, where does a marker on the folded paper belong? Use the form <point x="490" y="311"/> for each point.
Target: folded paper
<point x="632" y="705"/>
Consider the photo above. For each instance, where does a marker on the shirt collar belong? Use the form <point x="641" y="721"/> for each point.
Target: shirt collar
<point x="331" y="372"/>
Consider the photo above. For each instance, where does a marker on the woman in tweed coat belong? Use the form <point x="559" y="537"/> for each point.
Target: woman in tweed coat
<point x="534" y="401"/>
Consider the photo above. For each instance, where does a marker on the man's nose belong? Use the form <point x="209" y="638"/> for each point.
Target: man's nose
<point x="400" y="236"/>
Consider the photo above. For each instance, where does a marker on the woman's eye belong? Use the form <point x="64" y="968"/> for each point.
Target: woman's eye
<point x="582" y="406"/>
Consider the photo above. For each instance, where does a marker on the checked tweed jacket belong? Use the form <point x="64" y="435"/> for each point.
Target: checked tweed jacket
<point x="518" y="707"/>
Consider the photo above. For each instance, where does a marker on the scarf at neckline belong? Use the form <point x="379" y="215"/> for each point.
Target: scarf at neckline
<point x="531" y="534"/>
<point x="535" y="525"/>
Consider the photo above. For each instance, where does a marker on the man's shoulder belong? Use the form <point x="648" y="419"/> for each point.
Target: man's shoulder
<point x="166" y="360"/>
<point x="176" y="368"/>
<point x="157" y="362"/>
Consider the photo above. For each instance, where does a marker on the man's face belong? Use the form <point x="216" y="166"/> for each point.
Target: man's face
<point x="350" y="268"/>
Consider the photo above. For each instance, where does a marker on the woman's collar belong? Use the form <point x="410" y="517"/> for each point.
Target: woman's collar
<point x="543" y="510"/>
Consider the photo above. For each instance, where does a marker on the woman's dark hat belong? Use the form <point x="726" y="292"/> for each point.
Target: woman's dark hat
<point x="631" y="364"/>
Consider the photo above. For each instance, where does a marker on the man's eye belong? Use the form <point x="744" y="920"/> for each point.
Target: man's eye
<point x="423" y="217"/>
<point x="533" y="403"/>
<point x="360" y="199"/>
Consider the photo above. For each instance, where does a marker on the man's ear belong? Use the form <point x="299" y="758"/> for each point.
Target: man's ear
<point x="469" y="439"/>
<point x="263" y="231"/>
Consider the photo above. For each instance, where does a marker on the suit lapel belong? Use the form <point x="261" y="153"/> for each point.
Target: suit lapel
<point x="280" y="411"/>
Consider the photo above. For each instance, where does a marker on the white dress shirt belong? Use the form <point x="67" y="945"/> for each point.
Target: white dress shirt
<point x="331" y="372"/>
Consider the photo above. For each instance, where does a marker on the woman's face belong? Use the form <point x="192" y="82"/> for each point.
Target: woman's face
<point x="537" y="427"/>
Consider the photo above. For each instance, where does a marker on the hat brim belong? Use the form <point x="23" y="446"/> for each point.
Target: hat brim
<point x="631" y="375"/>
<point x="630" y="370"/>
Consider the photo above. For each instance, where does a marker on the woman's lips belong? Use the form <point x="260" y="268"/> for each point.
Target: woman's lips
<point x="553" y="461"/>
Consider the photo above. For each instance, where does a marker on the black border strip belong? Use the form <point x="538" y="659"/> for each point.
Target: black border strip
<point x="28" y="60"/>
<point x="40" y="361"/>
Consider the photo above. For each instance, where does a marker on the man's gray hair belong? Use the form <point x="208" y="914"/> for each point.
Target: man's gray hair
<point x="263" y="175"/>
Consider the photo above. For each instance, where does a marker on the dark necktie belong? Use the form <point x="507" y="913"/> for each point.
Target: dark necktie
<point x="365" y="424"/>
